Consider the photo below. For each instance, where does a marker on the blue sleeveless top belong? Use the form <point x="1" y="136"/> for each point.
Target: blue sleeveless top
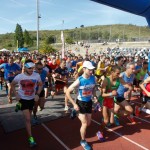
<point x="86" y="87"/>
<point x="43" y="76"/>
<point x="122" y="89"/>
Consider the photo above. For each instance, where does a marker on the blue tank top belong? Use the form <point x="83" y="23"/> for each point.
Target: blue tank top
<point x="86" y="87"/>
<point x="122" y="89"/>
<point x="43" y="76"/>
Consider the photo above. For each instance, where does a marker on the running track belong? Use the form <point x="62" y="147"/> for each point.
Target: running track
<point x="64" y="134"/>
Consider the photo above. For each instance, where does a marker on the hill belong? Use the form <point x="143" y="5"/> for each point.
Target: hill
<point x="92" y="34"/>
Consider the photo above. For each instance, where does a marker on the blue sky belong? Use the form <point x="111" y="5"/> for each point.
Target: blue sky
<point x="73" y="12"/>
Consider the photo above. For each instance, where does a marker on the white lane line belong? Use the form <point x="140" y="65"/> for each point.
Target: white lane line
<point x="122" y="136"/>
<point x="67" y="148"/>
<point x="142" y="119"/>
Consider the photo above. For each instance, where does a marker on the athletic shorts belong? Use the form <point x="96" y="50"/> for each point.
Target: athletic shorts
<point x="108" y="102"/>
<point x="120" y="99"/>
<point x="27" y="104"/>
<point x="85" y="107"/>
<point x="42" y="94"/>
<point x="60" y="84"/>
<point x="2" y="74"/>
<point x="46" y="85"/>
<point x="145" y="99"/>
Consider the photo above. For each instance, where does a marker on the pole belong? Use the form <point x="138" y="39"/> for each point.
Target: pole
<point x="110" y="33"/>
<point x="123" y="32"/>
<point x="37" y="35"/>
<point x="139" y="32"/>
<point x="63" y="42"/>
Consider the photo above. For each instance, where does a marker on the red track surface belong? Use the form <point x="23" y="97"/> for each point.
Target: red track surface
<point x="124" y="137"/>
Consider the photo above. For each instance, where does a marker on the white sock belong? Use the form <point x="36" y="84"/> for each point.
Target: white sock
<point x="146" y="110"/>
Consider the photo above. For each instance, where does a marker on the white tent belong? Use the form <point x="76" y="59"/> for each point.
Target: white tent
<point x="4" y="50"/>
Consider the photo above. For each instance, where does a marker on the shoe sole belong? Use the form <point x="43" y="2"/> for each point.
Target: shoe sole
<point x="101" y="139"/>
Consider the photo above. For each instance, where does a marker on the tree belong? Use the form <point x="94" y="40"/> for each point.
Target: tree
<point x="19" y="36"/>
<point x="82" y="26"/>
<point x="46" y="49"/>
<point x="69" y="40"/>
<point x="50" y="40"/>
<point x="27" y="39"/>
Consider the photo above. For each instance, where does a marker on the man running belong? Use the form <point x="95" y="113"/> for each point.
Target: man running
<point x="86" y="85"/>
<point x="27" y="94"/>
<point x="109" y="91"/>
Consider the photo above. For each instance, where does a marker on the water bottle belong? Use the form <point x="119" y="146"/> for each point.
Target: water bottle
<point x="18" y="107"/>
<point x="149" y="61"/>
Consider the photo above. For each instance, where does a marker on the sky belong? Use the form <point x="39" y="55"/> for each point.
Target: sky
<point x="74" y="13"/>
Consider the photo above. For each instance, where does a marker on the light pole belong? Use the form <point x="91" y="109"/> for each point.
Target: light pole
<point x="38" y="17"/>
<point x="139" y="32"/>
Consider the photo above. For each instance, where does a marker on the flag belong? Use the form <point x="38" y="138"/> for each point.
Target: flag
<point x="63" y="45"/>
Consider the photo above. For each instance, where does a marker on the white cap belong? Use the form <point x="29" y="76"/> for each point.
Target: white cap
<point x="29" y="64"/>
<point x="88" y="65"/>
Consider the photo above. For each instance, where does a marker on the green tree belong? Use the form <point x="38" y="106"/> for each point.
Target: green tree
<point x="19" y="36"/>
<point x="27" y="39"/>
<point x="46" y="49"/>
<point x="50" y="40"/>
<point x="69" y="40"/>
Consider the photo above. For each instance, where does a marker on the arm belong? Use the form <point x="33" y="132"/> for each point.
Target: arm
<point x="143" y="87"/>
<point x="126" y="85"/>
<point x="69" y="90"/>
<point x="104" y="94"/>
<point x="13" y="84"/>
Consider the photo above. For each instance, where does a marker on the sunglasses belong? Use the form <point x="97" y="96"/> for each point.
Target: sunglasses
<point x="39" y="68"/>
<point x="30" y="68"/>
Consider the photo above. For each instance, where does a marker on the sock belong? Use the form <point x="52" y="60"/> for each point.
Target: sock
<point x="146" y="110"/>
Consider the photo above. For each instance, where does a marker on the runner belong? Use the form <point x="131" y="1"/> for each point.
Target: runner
<point x="43" y="74"/>
<point x="86" y="85"/>
<point x="109" y="91"/>
<point x="145" y="86"/>
<point x="60" y="78"/>
<point x="11" y="69"/>
<point x="27" y="94"/>
<point x="124" y="94"/>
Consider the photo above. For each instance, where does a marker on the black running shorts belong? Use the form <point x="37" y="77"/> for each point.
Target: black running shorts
<point x="85" y="107"/>
<point x="27" y="104"/>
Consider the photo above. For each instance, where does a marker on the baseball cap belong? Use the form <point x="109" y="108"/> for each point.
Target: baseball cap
<point x="29" y="64"/>
<point x="88" y="64"/>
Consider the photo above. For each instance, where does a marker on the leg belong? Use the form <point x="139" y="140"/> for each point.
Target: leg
<point x="84" y="124"/>
<point x="27" y="115"/>
<point x="9" y="93"/>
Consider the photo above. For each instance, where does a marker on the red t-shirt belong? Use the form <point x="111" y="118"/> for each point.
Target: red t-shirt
<point x="1" y="61"/>
<point x="52" y="66"/>
<point x="147" y="88"/>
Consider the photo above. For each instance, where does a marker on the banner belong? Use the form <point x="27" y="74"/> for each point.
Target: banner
<point x="63" y="45"/>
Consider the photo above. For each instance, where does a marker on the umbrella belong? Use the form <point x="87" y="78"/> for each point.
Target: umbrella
<point x="4" y="50"/>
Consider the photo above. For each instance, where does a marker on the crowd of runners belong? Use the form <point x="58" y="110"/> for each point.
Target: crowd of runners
<point x="106" y="80"/>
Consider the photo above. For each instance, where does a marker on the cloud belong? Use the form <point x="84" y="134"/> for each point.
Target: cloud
<point x="18" y="3"/>
<point x="8" y="20"/>
<point x="45" y="2"/>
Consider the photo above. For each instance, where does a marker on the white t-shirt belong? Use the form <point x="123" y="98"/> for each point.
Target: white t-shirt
<point x="27" y="85"/>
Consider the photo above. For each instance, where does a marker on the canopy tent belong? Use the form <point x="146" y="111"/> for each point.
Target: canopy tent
<point x="24" y="49"/>
<point x="4" y="50"/>
<point x="138" y="7"/>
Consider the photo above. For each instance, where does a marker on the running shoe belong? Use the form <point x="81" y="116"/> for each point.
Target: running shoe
<point x="66" y="108"/>
<point x="85" y="145"/>
<point x="73" y="114"/>
<point x="100" y="136"/>
<point x="131" y="119"/>
<point x="116" y="120"/>
<point x="31" y="141"/>
<point x="137" y="110"/>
